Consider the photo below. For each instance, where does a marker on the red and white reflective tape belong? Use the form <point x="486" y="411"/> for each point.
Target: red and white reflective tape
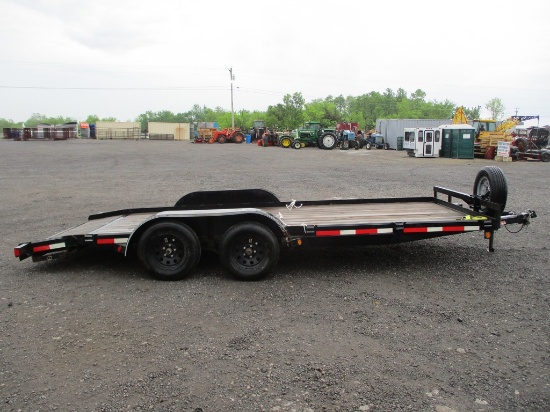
<point x="45" y="248"/>
<point x="354" y="232"/>
<point x="431" y="229"/>
<point x="112" y="241"/>
<point x="389" y="230"/>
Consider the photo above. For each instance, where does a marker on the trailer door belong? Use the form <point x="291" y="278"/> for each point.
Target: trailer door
<point x="428" y="143"/>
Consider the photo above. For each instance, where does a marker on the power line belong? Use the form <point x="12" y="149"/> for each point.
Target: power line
<point x="115" y="88"/>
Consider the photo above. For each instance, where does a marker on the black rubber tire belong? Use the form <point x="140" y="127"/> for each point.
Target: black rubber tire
<point x="169" y="250"/>
<point x="545" y="156"/>
<point x="491" y="185"/>
<point x="328" y="141"/>
<point x="249" y="250"/>
<point x="238" y="138"/>
<point x="222" y="138"/>
<point x="357" y="145"/>
<point x="522" y="144"/>
<point x="386" y="146"/>
<point x="320" y="144"/>
<point x="296" y="144"/>
<point x="368" y="146"/>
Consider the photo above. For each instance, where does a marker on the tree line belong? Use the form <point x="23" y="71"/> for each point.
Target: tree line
<point x="294" y="111"/>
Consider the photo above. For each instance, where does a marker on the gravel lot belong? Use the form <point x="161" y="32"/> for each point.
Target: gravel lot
<point x="437" y="325"/>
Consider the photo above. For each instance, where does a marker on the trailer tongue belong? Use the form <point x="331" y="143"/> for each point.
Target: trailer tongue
<point x="248" y="227"/>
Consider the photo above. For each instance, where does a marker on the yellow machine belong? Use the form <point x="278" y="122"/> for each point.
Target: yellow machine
<point x="460" y="116"/>
<point x="488" y="133"/>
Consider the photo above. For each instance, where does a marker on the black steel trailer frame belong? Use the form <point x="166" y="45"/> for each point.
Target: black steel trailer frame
<point x="247" y="227"/>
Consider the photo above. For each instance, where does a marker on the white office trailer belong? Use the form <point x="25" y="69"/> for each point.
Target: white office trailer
<point x="391" y="129"/>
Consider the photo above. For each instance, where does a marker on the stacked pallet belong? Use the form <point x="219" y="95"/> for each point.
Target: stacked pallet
<point x="490" y="139"/>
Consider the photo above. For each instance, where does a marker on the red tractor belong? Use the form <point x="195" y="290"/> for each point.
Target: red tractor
<point x="227" y="135"/>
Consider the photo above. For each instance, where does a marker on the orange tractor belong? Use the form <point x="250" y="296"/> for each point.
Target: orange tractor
<point x="227" y="135"/>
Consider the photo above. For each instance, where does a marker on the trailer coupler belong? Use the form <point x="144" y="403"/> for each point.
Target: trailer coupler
<point x="507" y="218"/>
<point x="523" y="218"/>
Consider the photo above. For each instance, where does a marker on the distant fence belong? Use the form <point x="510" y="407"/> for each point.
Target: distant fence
<point x="159" y="136"/>
<point x="116" y="133"/>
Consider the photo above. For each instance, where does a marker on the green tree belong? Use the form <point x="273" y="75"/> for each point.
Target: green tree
<point x="8" y="123"/>
<point x="472" y="113"/>
<point x="496" y="108"/>
<point x="293" y="110"/>
<point x="37" y="118"/>
<point x="275" y="116"/>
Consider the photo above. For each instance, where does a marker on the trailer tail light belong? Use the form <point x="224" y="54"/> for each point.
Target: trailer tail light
<point x="488" y="235"/>
<point x="17" y="252"/>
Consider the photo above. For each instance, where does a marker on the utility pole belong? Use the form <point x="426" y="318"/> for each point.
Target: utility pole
<point x="232" y="76"/>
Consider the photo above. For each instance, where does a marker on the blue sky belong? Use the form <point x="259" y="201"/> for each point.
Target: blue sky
<point x="122" y="58"/>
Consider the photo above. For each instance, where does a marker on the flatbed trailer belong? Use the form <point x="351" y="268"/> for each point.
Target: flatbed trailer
<point x="249" y="227"/>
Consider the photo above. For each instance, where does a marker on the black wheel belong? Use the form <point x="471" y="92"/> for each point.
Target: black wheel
<point x="222" y="138"/>
<point x="297" y="144"/>
<point x="368" y="146"/>
<point x="545" y="156"/>
<point x="357" y="145"/>
<point x="490" y="184"/>
<point x="522" y="144"/>
<point x="327" y="141"/>
<point x="249" y="250"/>
<point x="386" y="146"/>
<point x="169" y="250"/>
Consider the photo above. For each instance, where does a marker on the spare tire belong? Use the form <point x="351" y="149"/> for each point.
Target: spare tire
<point x="490" y="184"/>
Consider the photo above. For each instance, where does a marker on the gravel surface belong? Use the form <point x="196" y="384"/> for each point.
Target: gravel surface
<point x="435" y="325"/>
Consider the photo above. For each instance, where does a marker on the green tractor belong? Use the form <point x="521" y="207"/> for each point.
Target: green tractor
<point x="310" y="134"/>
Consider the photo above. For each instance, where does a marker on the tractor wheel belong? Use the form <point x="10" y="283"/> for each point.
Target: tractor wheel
<point x="238" y="138"/>
<point x="490" y="184"/>
<point x="297" y="144"/>
<point x="249" y="250"/>
<point x="545" y="156"/>
<point x="522" y="144"/>
<point x="328" y="141"/>
<point x="222" y="138"/>
<point x="357" y="145"/>
<point x="386" y="146"/>
<point x="368" y="146"/>
<point x="169" y="250"/>
<point x="286" y="142"/>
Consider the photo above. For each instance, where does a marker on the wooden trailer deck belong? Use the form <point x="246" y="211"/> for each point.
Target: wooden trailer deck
<point x="319" y="215"/>
<point x="112" y="225"/>
<point x="364" y="213"/>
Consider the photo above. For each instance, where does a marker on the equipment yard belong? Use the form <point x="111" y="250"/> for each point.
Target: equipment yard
<point x="434" y="325"/>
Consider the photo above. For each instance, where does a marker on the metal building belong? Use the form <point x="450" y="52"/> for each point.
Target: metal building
<point x="169" y="131"/>
<point x="392" y="128"/>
